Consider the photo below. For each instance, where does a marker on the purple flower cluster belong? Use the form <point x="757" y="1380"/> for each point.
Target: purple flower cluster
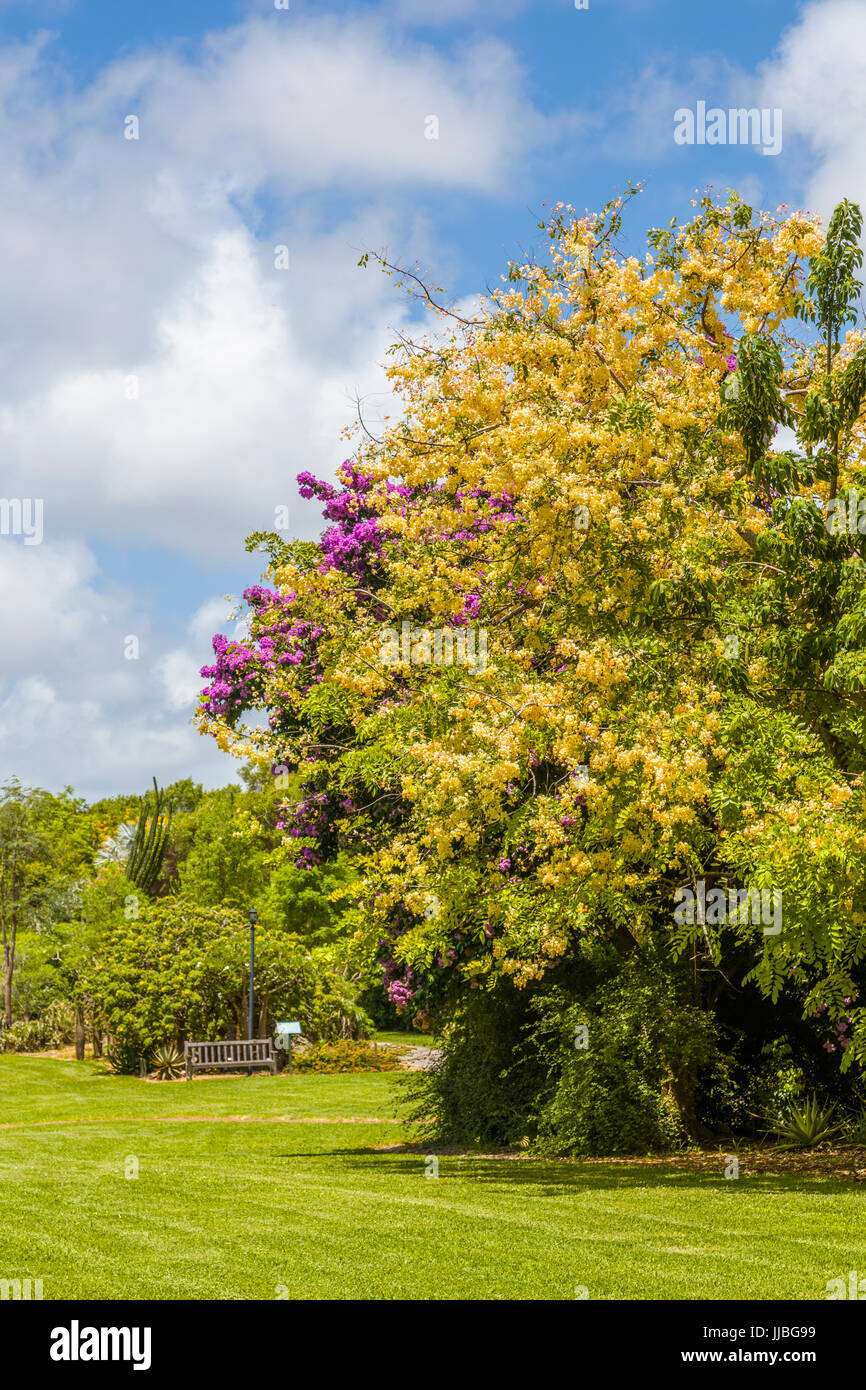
<point x="842" y="1039"/>
<point x="315" y="817"/>
<point x="235" y="675"/>
<point x="354" y="543"/>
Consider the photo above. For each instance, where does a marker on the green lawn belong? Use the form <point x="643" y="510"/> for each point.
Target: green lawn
<point x="412" y="1039"/>
<point x="240" y="1210"/>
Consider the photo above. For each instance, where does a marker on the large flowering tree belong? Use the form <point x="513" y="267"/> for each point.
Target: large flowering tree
<point x="585" y="484"/>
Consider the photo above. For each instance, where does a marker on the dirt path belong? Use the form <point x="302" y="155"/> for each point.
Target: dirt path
<point x="415" y="1057"/>
<point x="205" y="1119"/>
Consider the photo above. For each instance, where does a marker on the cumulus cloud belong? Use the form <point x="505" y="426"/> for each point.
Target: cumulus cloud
<point x="816" y="77"/>
<point x="89" y="694"/>
<point x="179" y="669"/>
<point x="163" y="373"/>
<point x="199" y="442"/>
<point x="166" y="369"/>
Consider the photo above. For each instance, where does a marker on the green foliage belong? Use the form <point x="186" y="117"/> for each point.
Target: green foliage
<point x="218" y="850"/>
<point x="53" y="959"/>
<point x="124" y="1058"/>
<point x="382" y="1012"/>
<point x="608" y="1099"/>
<point x="754" y="402"/>
<point x="228" y="851"/>
<point x="832" y="289"/>
<point x="178" y="970"/>
<point x="221" y="849"/>
<point x="486" y="1088"/>
<point x="306" y="902"/>
<point x="622" y="1058"/>
<point x="46" y="845"/>
<point x="856" y="1129"/>
<point x="344" y="1056"/>
<point x="805" y="1125"/>
<point x="53" y="1028"/>
<point x="607" y="1061"/>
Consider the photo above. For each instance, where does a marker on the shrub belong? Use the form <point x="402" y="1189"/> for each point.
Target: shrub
<point x="511" y="1069"/>
<point x="331" y="1015"/>
<point x="485" y="1089"/>
<point x="53" y="1028"/>
<point x="124" y="1058"/>
<point x="344" y="1056"/>
<point x="181" y="970"/>
<point x="382" y="1012"/>
<point x="855" y="1132"/>
<point x="609" y="1098"/>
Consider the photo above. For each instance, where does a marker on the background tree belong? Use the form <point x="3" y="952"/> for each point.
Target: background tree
<point x="46" y="844"/>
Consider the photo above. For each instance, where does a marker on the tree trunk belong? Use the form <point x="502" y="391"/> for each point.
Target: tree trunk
<point x="680" y="1089"/>
<point x="96" y="1040"/>
<point x="79" y="1033"/>
<point x="7" y="991"/>
<point x="263" y="1021"/>
<point x="9" y="918"/>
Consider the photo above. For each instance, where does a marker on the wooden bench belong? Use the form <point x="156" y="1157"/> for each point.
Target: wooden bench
<point x="235" y="1056"/>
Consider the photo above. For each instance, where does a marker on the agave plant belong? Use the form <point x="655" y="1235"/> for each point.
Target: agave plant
<point x="115" y="849"/>
<point x="804" y="1125"/>
<point x="123" y="1058"/>
<point x="167" y="1061"/>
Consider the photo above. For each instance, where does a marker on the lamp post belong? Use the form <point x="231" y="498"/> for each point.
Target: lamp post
<point x="254" y="917"/>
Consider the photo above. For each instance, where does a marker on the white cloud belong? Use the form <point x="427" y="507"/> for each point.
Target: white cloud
<point x="73" y="708"/>
<point x="142" y="268"/>
<point x="198" y="443"/>
<point x="136" y="272"/>
<point x="180" y="668"/>
<point x="816" y="77"/>
<point x="312" y="103"/>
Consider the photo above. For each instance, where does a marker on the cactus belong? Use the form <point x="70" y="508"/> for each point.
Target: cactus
<point x="148" y="845"/>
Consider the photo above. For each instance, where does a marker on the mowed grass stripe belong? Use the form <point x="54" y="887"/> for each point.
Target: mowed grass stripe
<point x="246" y="1210"/>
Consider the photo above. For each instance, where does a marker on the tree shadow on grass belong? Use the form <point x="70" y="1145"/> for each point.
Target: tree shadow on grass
<point x="552" y="1177"/>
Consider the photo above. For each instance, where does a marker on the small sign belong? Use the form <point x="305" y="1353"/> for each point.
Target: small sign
<point x="283" y="1028"/>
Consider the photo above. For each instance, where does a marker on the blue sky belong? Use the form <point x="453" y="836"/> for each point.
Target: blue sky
<point x="162" y="381"/>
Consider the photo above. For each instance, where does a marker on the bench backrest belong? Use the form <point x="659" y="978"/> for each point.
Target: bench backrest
<point x="251" y="1051"/>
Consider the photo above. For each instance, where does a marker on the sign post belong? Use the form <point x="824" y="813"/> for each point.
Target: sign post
<point x="285" y="1032"/>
